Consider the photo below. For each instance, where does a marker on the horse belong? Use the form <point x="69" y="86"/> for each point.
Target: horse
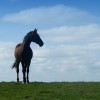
<point x="23" y="54"/>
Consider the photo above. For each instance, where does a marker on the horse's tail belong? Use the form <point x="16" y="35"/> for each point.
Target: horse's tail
<point x="14" y="65"/>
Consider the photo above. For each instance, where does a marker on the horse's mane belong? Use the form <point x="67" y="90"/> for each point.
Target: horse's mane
<point x="27" y="35"/>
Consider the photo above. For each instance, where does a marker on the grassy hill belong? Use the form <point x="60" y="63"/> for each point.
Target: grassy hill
<point x="50" y="91"/>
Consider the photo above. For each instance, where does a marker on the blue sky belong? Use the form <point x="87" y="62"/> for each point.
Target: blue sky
<point x="9" y="6"/>
<point x="71" y="35"/>
<point x="14" y="6"/>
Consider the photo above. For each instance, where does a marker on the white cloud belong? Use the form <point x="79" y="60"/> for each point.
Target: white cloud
<point x="71" y="48"/>
<point x="51" y="16"/>
<point x="67" y="60"/>
<point x="72" y="34"/>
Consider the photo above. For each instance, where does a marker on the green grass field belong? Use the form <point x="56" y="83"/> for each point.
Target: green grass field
<point x="50" y="91"/>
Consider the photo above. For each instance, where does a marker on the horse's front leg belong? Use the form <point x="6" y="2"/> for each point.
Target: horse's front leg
<point x="24" y="72"/>
<point x="28" y="65"/>
<point x="27" y="74"/>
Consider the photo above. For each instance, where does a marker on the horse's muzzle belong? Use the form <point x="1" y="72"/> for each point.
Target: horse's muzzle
<point x="41" y="44"/>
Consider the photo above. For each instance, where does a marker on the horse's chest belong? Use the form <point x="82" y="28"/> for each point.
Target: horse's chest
<point x="27" y="53"/>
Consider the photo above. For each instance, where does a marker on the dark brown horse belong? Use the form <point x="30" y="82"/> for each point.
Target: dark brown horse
<point x="23" y="53"/>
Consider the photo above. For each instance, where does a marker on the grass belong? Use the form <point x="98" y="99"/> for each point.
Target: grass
<point x="50" y="91"/>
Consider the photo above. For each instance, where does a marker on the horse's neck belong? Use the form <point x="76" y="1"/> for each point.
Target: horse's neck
<point x="26" y="42"/>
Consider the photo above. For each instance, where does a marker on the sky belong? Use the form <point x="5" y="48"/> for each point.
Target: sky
<point x="70" y="30"/>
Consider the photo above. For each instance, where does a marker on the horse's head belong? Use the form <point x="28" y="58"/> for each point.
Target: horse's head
<point x="36" y="38"/>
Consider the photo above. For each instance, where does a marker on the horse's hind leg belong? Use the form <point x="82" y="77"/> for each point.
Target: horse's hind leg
<point x="17" y="70"/>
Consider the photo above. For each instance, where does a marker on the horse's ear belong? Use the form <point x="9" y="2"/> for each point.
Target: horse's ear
<point x="35" y="30"/>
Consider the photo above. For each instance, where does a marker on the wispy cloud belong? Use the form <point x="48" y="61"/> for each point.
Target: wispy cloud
<point x="51" y="16"/>
<point x="73" y="34"/>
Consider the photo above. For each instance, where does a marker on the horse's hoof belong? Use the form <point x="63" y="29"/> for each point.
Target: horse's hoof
<point x="28" y="82"/>
<point x="18" y="81"/>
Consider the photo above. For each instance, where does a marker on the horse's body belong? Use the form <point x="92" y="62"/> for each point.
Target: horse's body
<point x="23" y="53"/>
